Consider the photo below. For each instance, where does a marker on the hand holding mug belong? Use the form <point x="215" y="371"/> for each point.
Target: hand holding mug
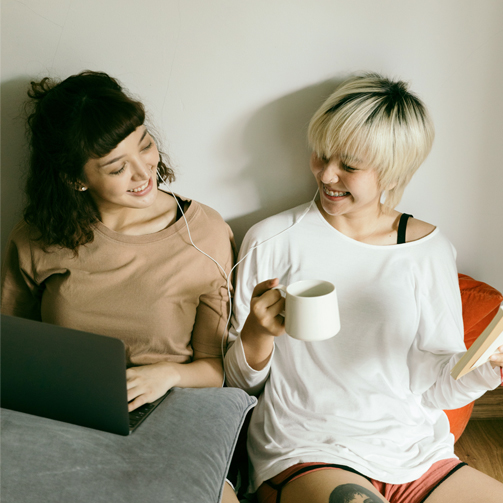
<point x="264" y="322"/>
<point x="266" y="308"/>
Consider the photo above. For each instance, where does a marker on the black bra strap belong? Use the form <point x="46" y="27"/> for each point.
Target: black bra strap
<point x="178" y="210"/>
<point x="402" y="228"/>
<point x="184" y="204"/>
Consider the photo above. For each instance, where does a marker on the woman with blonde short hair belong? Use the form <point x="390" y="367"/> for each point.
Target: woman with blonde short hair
<point x="359" y="416"/>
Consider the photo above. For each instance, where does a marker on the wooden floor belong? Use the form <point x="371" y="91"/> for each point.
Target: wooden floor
<point x="481" y="444"/>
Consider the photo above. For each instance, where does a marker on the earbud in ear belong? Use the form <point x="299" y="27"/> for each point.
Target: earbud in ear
<point x="74" y="184"/>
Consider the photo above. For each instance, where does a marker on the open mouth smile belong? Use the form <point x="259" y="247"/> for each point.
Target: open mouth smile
<point x="141" y="187"/>
<point x="334" y="193"/>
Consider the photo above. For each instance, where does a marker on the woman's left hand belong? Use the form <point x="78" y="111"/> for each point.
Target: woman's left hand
<point x="149" y="382"/>
<point x="497" y="358"/>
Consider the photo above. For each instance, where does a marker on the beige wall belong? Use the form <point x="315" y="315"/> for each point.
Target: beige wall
<point x="231" y="85"/>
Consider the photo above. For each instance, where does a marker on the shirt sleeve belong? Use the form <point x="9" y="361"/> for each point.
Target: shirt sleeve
<point x="440" y="343"/>
<point x="210" y="325"/>
<point x="21" y="293"/>
<point x="238" y="373"/>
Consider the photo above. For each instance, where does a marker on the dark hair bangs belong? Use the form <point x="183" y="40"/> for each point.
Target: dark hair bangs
<point x="106" y="121"/>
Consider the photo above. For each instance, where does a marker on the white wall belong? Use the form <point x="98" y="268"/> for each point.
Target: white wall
<point x="231" y="85"/>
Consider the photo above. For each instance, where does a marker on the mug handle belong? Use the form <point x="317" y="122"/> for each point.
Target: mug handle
<point x="282" y="288"/>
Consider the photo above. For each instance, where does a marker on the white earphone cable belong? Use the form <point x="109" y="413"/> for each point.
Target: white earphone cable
<point x="228" y="276"/>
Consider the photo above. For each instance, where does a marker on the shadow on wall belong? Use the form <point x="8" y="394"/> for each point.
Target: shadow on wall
<point x="275" y="141"/>
<point x="13" y="152"/>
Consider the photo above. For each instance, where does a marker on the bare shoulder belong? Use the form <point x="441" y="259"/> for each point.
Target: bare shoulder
<point x="417" y="229"/>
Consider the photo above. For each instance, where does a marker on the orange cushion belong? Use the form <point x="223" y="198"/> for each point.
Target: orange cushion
<point x="480" y="304"/>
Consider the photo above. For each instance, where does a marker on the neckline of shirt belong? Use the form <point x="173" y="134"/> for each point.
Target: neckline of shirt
<point x="370" y="246"/>
<point x="167" y="232"/>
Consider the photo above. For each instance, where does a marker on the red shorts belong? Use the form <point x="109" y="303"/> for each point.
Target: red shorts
<point x="411" y="492"/>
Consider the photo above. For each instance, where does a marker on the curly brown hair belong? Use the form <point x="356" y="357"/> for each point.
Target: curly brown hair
<point x="82" y="117"/>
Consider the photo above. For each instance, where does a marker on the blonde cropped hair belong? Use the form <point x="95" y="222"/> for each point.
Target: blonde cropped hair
<point x="376" y="119"/>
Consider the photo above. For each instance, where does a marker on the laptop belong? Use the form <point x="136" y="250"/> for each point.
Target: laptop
<point x="68" y="375"/>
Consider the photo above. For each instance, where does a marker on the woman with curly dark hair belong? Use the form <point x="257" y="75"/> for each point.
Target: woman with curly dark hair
<point x="85" y="117"/>
<point x="102" y="248"/>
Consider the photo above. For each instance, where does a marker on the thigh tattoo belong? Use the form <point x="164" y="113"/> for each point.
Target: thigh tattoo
<point x="352" y="493"/>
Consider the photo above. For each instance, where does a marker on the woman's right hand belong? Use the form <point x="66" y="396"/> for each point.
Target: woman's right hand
<point x="263" y="323"/>
<point x="266" y="307"/>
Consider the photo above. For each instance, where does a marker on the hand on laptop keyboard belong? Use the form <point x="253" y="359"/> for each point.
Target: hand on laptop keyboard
<point x="147" y="383"/>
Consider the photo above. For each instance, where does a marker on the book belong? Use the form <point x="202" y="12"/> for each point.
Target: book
<point x="484" y="346"/>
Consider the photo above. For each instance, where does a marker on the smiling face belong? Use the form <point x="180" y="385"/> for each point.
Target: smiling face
<point x="126" y="177"/>
<point x="379" y="118"/>
<point x="348" y="186"/>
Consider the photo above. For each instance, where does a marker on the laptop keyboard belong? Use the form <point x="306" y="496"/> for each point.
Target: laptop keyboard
<point x="138" y="414"/>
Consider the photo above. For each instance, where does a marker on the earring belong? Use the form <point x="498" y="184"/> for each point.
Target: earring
<point x="82" y="188"/>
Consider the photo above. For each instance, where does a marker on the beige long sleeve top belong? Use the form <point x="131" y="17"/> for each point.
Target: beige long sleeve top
<point x="156" y="292"/>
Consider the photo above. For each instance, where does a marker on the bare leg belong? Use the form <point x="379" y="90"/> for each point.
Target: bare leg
<point x="331" y="486"/>
<point x="229" y="496"/>
<point x="468" y="485"/>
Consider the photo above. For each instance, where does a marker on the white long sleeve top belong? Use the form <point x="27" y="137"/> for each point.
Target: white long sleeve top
<point x="372" y="397"/>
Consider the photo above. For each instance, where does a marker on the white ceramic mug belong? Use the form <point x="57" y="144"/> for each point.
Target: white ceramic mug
<point x="311" y="310"/>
